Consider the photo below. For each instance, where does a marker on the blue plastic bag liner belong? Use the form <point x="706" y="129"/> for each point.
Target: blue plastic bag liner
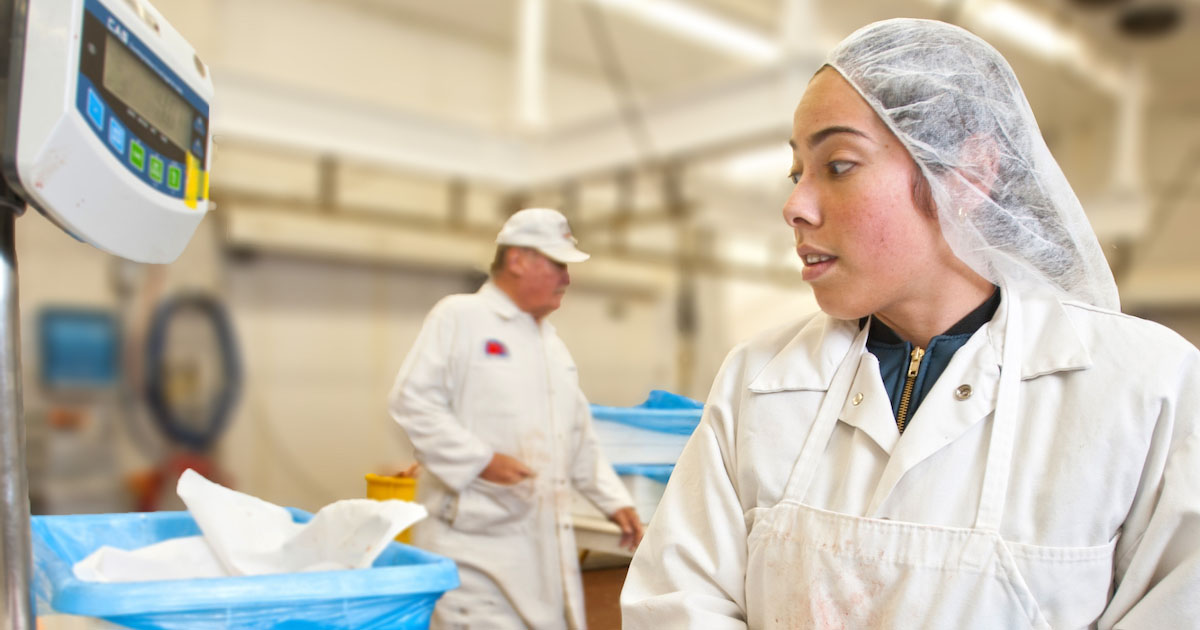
<point x="397" y="593"/>
<point x="663" y="412"/>
<point x="653" y="432"/>
<point x="658" y="472"/>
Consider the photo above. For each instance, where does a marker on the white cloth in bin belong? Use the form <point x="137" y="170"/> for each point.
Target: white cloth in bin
<point x="172" y="559"/>
<point x="244" y="535"/>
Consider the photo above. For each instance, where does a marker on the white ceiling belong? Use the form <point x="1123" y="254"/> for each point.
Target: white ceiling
<point x="660" y="62"/>
<point x="340" y="51"/>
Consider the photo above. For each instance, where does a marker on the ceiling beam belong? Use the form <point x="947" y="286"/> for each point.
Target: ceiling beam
<point x="757" y="105"/>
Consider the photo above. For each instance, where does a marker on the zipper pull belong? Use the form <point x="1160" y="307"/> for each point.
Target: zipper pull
<point x="914" y="367"/>
<point x="914" y="364"/>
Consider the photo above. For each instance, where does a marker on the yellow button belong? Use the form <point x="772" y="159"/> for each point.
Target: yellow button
<point x="857" y="399"/>
<point x="963" y="392"/>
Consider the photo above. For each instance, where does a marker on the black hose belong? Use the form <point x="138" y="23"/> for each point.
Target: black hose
<point x="156" y="395"/>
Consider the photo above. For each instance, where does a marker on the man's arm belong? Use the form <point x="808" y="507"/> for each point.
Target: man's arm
<point x="595" y="479"/>
<point x="421" y="401"/>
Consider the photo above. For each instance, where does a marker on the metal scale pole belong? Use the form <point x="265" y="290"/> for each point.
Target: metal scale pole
<point x="14" y="513"/>
<point x="15" y="546"/>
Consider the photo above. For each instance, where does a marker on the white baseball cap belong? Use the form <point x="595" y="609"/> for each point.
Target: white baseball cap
<point x="542" y="229"/>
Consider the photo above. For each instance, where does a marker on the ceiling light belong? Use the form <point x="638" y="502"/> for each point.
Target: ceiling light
<point x="1028" y="29"/>
<point x="700" y="26"/>
<point x="531" y="64"/>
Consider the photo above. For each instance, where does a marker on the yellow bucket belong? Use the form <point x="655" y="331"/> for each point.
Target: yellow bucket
<point x="381" y="488"/>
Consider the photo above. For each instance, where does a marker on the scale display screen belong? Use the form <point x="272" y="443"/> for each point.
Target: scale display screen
<point x="130" y="80"/>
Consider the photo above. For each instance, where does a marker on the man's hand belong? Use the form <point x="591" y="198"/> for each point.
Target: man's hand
<point x="505" y="470"/>
<point x="412" y="472"/>
<point x="631" y="527"/>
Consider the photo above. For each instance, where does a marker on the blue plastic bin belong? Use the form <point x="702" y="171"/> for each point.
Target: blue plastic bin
<point x="397" y="592"/>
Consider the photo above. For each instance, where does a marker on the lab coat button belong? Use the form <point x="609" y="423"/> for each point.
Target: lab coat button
<point x="963" y="392"/>
<point x="857" y="399"/>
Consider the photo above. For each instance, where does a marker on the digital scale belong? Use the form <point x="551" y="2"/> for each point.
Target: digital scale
<point x="107" y="125"/>
<point x="106" y="131"/>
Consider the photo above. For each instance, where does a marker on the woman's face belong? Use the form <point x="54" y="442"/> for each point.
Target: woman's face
<point x="866" y="246"/>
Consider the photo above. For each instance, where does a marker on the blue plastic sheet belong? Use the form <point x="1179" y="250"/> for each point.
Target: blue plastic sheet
<point x="663" y="412"/>
<point x="397" y="593"/>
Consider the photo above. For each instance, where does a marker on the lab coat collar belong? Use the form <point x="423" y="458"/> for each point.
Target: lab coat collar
<point x="498" y="300"/>
<point x="1051" y="344"/>
<point x="506" y="308"/>
<point x="793" y="368"/>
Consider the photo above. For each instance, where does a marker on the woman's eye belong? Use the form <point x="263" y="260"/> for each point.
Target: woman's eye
<point x="839" y="167"/>
<point x="795" y="177"/>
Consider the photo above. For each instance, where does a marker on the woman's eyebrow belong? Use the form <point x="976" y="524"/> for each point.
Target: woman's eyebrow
<point x="820" y="136"/>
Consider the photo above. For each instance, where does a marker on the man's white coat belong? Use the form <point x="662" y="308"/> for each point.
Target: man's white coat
<point x="484" y="377"/>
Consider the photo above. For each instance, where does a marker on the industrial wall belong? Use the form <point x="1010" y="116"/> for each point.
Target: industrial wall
<point x="340" y="223"/>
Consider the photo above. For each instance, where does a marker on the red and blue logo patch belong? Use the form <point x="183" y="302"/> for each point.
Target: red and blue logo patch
<point x="495" y="348"/>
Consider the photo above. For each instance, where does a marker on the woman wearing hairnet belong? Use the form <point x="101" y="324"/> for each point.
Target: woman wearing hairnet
<point x="970" y="434"/>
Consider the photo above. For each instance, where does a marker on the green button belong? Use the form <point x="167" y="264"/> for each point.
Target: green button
<point x="156" y="168"/>
<point x="137" y="155"/>
<point x="174" y="176"/>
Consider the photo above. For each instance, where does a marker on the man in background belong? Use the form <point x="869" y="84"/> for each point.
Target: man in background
<point x="490" y="398"/>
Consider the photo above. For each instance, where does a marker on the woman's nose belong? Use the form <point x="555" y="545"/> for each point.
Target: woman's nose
<point x="800" y="209"/>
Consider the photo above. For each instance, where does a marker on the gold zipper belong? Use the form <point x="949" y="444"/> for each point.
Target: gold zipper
<point x="914" y="366"/>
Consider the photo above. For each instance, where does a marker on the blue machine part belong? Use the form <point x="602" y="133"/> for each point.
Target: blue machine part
<point x="80" y="348"/>
<point x="397" y="593"/>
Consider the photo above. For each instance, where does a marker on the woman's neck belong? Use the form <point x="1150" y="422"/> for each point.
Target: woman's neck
<point x="919" y="321"/>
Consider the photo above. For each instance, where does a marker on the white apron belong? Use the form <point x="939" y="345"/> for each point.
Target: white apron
<point x="812" y="568"/>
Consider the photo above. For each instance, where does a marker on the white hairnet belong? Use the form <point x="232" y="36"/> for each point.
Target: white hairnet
<point x="1005" y="206"/>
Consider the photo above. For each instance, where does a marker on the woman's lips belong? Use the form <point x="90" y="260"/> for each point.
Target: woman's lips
<point x="816" y="265"/>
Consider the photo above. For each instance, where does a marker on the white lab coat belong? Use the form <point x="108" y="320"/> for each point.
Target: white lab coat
<point x="1103" y="491"/>
<point x="484" y="377"/>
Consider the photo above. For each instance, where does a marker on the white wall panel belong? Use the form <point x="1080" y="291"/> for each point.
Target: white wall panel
<point x="322" y="343"/>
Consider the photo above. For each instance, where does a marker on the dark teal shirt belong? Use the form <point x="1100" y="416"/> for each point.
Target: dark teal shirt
<point x="894" y="354"/>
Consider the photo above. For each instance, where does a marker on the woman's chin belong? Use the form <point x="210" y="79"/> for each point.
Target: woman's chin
<point x="838" y="305"/>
